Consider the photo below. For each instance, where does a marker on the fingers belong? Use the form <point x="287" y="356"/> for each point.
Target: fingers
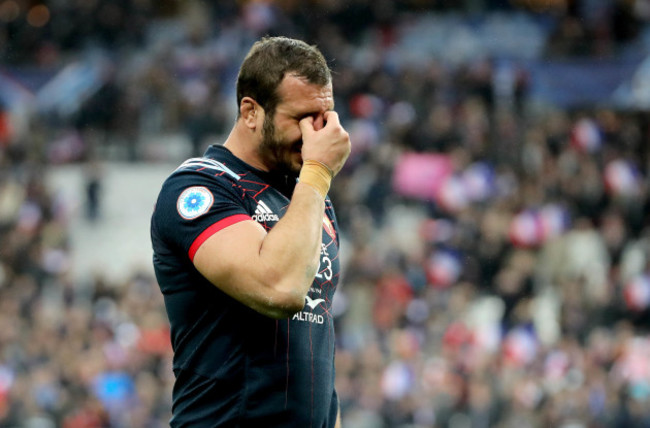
<point x="331" y="117"/>
<point x="307" y="125"/>
<point x="325" y="140"/>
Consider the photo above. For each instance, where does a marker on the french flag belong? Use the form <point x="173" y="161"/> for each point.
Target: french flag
<point x="586" y="136"/>
<point x="452" y="196"/>
<point x="555" y="220"/>
<point x="526" y="229"/>
<point x="636" y="293"/>
<point x="443" y="268"/>
<point x="622" y="178"/>
<point x="520" y="346"/>
<point x="533" y="227"/>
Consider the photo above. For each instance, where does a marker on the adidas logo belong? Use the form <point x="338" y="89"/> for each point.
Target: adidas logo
<point x="263" y="213"/>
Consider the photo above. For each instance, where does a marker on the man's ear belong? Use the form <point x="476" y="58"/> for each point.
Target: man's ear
<point x="249" y="110"/>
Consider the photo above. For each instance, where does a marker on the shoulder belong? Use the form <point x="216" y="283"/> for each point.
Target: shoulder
<point x="197" y="194"/>
<point x="202" y="172"/>
<point x="197" y="185"/>
<point x="211" y="167"/>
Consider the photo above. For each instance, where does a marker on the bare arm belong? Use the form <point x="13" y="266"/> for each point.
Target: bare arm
<point x="272" y="272"/>
<point x="269" y="272"/>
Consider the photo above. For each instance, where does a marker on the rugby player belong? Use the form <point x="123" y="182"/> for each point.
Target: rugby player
<point x="246" y="246"/>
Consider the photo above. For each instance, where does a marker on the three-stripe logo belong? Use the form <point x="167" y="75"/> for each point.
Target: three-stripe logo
<point x="263" y="213"/>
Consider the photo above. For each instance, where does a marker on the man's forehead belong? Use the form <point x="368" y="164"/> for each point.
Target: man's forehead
<point x="294" y="88"/>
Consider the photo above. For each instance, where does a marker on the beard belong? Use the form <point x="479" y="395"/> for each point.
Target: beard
<point x="276" y="153"/>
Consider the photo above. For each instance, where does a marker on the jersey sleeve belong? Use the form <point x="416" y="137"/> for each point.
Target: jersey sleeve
<point x="192" y="207"/>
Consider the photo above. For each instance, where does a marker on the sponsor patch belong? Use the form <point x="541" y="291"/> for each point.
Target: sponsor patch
<point x="194" y="202"/>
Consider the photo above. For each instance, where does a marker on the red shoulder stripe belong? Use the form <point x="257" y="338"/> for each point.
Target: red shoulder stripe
<point x="211" y="230"/>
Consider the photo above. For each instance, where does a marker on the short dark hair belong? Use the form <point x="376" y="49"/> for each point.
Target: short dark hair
<point x="269" y="60"/>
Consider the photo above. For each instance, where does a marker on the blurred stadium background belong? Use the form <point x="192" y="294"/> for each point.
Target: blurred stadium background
<point x="494" y="211"/>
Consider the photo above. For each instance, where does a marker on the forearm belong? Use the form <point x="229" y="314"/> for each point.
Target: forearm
<point x="289" y="253"/>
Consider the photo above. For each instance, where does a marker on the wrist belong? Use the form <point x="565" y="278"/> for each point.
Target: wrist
<point x="317" y="175"/>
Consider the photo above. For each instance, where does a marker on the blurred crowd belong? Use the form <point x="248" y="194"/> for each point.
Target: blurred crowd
<point x="495" y="252"/>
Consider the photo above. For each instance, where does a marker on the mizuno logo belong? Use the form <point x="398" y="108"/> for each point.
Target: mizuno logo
<point x="313" y="303"/>
<point x="263" y="213"/>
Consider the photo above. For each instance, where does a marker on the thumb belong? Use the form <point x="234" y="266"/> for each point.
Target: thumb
<point x="307" y="125"/>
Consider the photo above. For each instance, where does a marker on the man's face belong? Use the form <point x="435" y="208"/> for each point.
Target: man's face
<point x="281" y="143"/>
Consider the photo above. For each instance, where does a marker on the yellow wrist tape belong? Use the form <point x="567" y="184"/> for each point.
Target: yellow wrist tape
<point x="317" y="175"/>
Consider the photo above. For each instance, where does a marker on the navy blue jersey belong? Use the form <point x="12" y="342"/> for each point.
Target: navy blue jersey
<point x="234" y="366"/>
